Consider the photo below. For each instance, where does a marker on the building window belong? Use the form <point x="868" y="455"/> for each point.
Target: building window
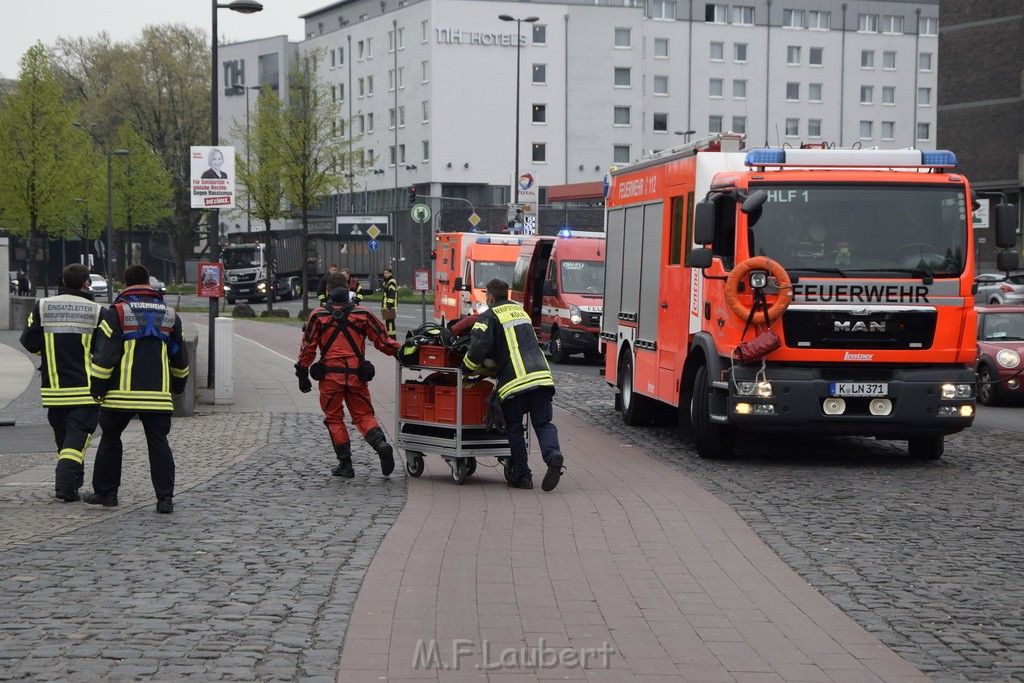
<point x="866" y="130"/>
<point x="391" y="80"/>
<point x="715" y="87"/>
<point x="924" y="97"/>
<point x="742" y="15"/>
<point x="540" y="113"/>
<point x="888" y="130"/>
<point x="661" y="48"/>
<point x="622" y="77"/>
<point x="424" y="31"/>
<point x="739" y="89"/>
<point x="714" y="123"/>
<point x="623" y="37"/>
<point x="540" y="34"/>
<point x="661" y="85"/>
<point x="661" y="123"/>
<point x="341" y="92"/>
<point x="391" y="155"/>
<point x="924" y="61"/>
<point x="927" y="26"/>
<point x="820" y="21"/>
<point x="425" y="71"/>
<point x="361" y="120"/>
<point x="739" y="124"/>
<point x="814" y="128"/>
<point x="793" y="55"/>
<point x="361" y="50"/>
<point x="341" y="56"/>
<point x="814" y="92"/>
<point x="391" y="41"/>
<point x="663" y="9"/>
<point x="739" y="52"/>
<point x="369" y="48"/>
<point x="792" y="92"/>
<point x="792" y="128"/>
<point x="401" y="116"/>
<point x="889" y="94"/>
<point x="369" y="86"/>
<point x="362" y="87"/>
<point x="717" y="51"/>
<point x="867" y="23"/>
<point x="369" y="123"/>
<point x="715" y="13"/>
<point x="540" y="74"/>
<point x="426" y="111"/>
<point x="334" y="59"/>
<point x="426" y="150"/>
<point x="867" y="94"/>
<point x="621" y="116"/>
<point x="867" y="59"/>
<point x="334" y="93"/>
<point x="889" y="60"/>
<point x="816" y="56"/>
<point x="620" y="154"/>
<point x="392" y="118"/>
<point x="892" y="24"/>
<point x="924" y="131"/>
<point x="401" y="154"/>
<point x="792" y="18"/>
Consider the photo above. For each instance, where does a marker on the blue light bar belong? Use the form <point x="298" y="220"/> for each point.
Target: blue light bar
<point x="765" y="157"/>
<point x="483" y="240"/>
<point x="565" y="232"/>
<point x="938" y="158"/>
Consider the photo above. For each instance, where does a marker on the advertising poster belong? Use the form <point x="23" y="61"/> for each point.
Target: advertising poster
<point x="211" y="280"/>
<point x="421" y="280"/>
<point x="213" y="177"/>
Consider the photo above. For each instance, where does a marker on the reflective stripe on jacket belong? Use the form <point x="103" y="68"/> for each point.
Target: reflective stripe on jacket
<point x="504" y="333"/>
<point x="390" y="299"/>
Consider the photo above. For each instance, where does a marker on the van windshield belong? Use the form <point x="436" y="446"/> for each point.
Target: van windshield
<point x="485" y="271"/>
<point x="582" y="277"/>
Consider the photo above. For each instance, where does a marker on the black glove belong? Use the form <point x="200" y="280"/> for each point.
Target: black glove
<point x="305" y="386"/>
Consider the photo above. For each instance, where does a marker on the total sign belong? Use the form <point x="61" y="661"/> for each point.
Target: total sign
<point x="527" y="187"/>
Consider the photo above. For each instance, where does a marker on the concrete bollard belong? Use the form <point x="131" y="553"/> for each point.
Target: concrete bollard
<point x="185" y="404"/>
<point x="224" y="370"/>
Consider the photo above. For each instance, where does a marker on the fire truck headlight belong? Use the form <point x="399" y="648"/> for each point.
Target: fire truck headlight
<point x="575" y="314"/>
<point x="951" y="391"/>
<point x="1008" y="358"/>
<point x="745" y="388"/>
<point x="758" y="279"/>
<point x="764" y="389"/>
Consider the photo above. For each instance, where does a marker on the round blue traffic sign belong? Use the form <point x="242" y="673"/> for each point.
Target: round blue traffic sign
<point x="373" y="245"/>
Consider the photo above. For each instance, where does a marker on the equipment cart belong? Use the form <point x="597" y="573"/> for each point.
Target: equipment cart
<point x="446" y="420"/>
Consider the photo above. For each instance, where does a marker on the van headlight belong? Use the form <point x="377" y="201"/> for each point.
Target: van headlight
<point x="1008" y="358"/>
<point x="575" y="314"/>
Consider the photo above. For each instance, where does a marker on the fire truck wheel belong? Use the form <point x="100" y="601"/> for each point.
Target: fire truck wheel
<point x="636" y="409"/>
<point x="712" y="440"/>
<point x="738" y="275"/>
<point x="558" y="353"/>
<point x="987" y="393"/>
<point x="925" y="447"/>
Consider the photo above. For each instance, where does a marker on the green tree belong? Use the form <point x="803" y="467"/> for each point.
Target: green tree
<point x="309" y="148"/>
<point x="46" y="161"/>
<point x="259" y="168"/>
<point x="142" y="187"/>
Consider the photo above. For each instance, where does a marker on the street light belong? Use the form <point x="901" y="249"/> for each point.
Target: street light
<point x="248" y="199"/>
<point x="243" y="7"/>
<point x="110" y="226"/>
<point x="686" y="133"/>
<point x="519" y="44"/>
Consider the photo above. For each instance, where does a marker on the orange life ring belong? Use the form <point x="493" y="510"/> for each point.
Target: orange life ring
<point x="775" y="269"/>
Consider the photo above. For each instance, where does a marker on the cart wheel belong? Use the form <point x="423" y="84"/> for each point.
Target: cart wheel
<point x="470" y="467"/>
<point x="414" y="463"/>
<point x="506" y="464"/>
<point x="460" y="470"/>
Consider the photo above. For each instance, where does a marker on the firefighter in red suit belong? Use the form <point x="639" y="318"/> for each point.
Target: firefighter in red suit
<point x="339" y="330"/>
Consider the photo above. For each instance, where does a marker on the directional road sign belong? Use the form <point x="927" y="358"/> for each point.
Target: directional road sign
<point x="373" y="245"/>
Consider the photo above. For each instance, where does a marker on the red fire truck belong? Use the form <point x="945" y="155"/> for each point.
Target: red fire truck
<point x="822" y="290"/>
<point x="464" y="263"/>
<point x="559" y="280"/>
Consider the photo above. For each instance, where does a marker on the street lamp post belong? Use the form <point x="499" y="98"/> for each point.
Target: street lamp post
<point x="243" y="7"/>
<point x="248" y="199"/>
<point x="110" y="226"/>
<point x="686" y="134"/>
<point x="519" y="45"/>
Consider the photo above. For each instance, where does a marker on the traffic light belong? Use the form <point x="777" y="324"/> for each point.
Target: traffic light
<point x="412" y="196"/>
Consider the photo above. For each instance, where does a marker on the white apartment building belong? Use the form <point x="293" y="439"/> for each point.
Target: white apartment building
<point x="431" y="85"/>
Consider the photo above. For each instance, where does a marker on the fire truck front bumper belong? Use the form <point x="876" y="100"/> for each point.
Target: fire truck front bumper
<point x="896" y="402"/>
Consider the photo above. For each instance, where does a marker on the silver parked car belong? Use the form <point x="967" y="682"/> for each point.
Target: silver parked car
<point x="998" y="288"/>
<point x="157" y="284"/>
<point x="97" y="283"/>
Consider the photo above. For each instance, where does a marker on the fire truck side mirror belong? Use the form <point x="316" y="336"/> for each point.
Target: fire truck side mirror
<point x="754" y="202"/>
<point x="457" y="285"/>
<point x="701" y="257"/>
<point x="704" y="222"/>
<point x="1007" y="261"/>
<point x="1004" y="218"/>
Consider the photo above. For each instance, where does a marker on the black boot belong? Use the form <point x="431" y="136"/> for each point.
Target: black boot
<point x="68" y="479"/>
<point x="376" y="438"/>
<point x="344" y="466"/>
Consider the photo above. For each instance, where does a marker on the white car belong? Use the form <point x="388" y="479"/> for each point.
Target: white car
<point x="97" y="283"/>
<point x="998" y="288"/>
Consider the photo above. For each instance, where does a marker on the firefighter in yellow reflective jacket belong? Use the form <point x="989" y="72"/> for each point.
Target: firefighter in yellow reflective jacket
<point x="504" y="333"/>
<point x="389" y="303"/>
<point x="61" y="330"/>
<point x="140" y="361"/>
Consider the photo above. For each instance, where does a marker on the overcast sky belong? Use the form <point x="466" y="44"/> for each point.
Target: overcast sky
<point x="25" y="22"/>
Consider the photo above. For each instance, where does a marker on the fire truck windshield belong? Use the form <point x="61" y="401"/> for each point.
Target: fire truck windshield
<point x="861" y="228"/>
<point x="582" y="277"/>
<point x="485" y="271"/>
<point x="240" y="258"/>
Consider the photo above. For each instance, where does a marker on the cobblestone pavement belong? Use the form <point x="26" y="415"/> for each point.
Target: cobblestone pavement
<point x="925" y="556"/>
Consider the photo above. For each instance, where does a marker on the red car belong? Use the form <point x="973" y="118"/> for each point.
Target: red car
<point x="1000" y="348"/>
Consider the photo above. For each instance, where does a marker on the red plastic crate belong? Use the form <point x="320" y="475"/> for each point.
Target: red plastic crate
<point x="438" y="356"/>
<point x="416" y="402"/>
<point x="474" y="404"/>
